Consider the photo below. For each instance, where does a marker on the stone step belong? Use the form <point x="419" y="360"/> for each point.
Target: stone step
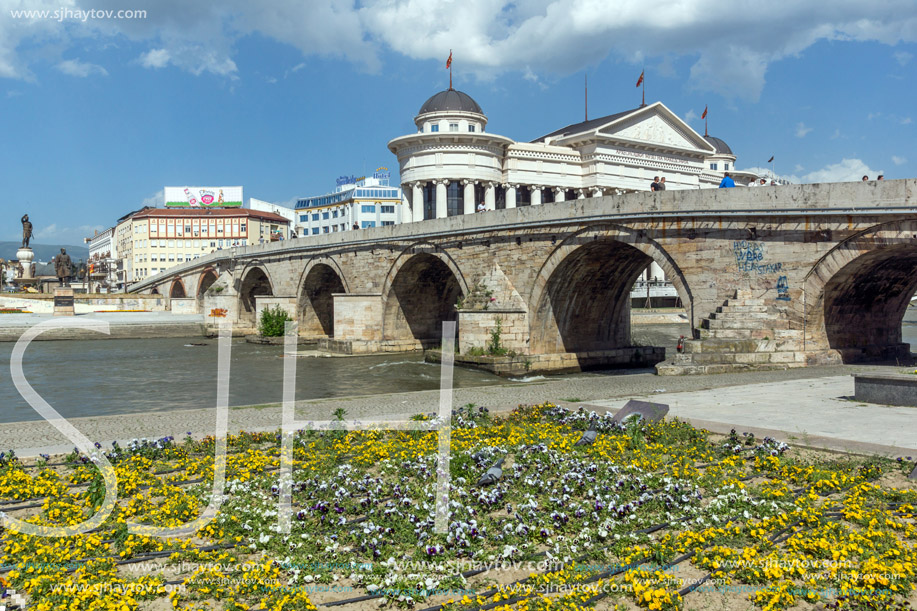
<point x="748" y="333"/>
<point x="743" y="308"/>
<point x="733" y="315"/>
<point x="748" y="294"/>
<point x="679" y="369"/>
<point x="756" y="323"/>
<point x="746" y="302"/>
<point x="717" y="345"/>
<point x="746" y="358"/>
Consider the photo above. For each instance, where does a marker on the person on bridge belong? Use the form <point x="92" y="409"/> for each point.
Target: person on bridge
<point x="661" y="185"/>
<point x="482" y="207"/>
<point x="727" y="182"/>
<point x="654" y="186"/>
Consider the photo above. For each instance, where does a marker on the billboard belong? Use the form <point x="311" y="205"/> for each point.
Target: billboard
<point x="203" y="197"/>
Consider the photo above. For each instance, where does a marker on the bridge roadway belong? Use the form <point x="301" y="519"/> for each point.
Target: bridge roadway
<point x="771" y="277"/>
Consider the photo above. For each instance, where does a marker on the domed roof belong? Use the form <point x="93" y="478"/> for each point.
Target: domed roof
<point x="450" y="99"/>
<point x="721" y="147"/>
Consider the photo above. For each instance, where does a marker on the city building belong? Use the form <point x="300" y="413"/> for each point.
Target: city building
<point x="263" y="206"/>
<point x="451" y="164"/>
<point x="367" y="201"/>
<point x="101" y="266"/>
<point x="152" y="240"/>
<point x="124" y="247"/>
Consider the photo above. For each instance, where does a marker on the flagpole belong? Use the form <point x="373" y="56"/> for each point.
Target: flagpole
<point x="586" y="81"/>
<point x="450" y="69"/>
<point x="643" y="100"/>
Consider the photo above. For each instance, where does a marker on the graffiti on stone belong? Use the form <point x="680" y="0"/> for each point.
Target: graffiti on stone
<point x="783" y="289"/>
<point x="751" y="258"/>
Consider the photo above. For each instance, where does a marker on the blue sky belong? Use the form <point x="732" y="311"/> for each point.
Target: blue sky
<point x="98" y="114"/>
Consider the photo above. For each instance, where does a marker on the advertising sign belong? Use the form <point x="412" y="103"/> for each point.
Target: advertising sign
<point x="203" y="197"/>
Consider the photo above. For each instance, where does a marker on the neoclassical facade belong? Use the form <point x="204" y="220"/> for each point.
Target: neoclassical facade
<point x="452" y="164"/>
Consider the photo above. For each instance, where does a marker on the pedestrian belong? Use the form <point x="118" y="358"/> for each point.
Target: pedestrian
<point x="661" y="185"/>
<point x="481" y="207"/>
<point x="881" y="177"/>
<point x="355" y="226"/>
<point x="727" y="182"/>
<point x="865" y="178"/>
<point x="753" y="183"/>
<point x="763" y="182"/>
<point x="654" y="186"/>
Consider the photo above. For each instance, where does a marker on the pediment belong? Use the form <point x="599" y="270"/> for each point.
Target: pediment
<point x="654" y="128"/>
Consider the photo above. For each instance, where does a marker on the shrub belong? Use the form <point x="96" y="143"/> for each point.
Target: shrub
<point x="272" y="321"/>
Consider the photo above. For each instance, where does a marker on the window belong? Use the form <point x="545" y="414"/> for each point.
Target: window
<point x="726" y="167"/>
<point x="314" y="230"/>
<point x="171" y="243"/>
<point x="325" y="215"/>
<point x="366" y="224"/>
<point x="387" y="223"/>
<point x="315" y="216"/>
<point x="242" y="228"/>
<point x="434" y="128"/>
<point x="368" y="209"/>
<point x="303" y="218"/>
<point x="453" y="127"/>
<point x="334" y="214"/>
<point x="162" y="243"/>
<point x="324" y="230"/>
<point x="712" y="166"/>
<point x="171" y="256"/>
<point x="471" y="128"/>
<point x="388" y="209"/>
<point x="153" y="257"/>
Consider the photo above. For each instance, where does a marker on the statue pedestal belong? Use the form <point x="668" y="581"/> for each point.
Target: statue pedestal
<point x="25" y="256"/>
<point x="63" y="302"/>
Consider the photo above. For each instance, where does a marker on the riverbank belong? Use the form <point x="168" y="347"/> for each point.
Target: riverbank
<point x="805" y="406"/>
<point x="122" y="325"/>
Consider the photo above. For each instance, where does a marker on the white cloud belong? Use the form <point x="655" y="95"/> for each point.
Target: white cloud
<point x="75" y="67"/>
<point x="898" y="160"/>
<point x="836" y="134"/>
<point x="906" y="121"/>
<point x="846" y="170"/>
<point x="65" y="235"/>
<point x="156" y="200"/>
<point x="903" y="57"/>
<point x="155" y="58"/>
<point x="802" y="130"/>
<point x="690" y="116"/>
<point x="873" y="115"/>
<point x="798" y="168"/>
<point x="488" y="37"/>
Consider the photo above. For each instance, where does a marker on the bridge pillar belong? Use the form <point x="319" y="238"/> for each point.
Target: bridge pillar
<point x="490" y="199"/>
<point x="536" y="196"/>
<point x="417" y="202"/>
<point x="357" y="323"/>
<point x="510" y="196"/>
<point x="469" y="196"/>
<point x="560" y="195"/>
<point x="441" y="211"/>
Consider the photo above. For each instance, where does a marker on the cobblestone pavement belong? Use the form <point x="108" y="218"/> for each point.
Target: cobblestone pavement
<point x="29" y="438"/>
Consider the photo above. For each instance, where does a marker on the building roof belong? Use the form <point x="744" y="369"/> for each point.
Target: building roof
<point x="211" y="213"/>
<point x="721" y="147"/>
<point x="585" y="126"/>
<point x="450" y="99"/>
<point x="130" y="214"/>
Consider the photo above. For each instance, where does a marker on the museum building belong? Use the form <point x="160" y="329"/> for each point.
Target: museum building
<point x="452" y="164"/>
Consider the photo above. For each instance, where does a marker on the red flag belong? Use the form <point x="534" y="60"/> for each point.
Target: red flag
<point x="704" y="116"/>
<point x="640" y="80"/>
<point x="449" y="61"/>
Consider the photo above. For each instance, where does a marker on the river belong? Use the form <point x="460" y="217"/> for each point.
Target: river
<point x="101" y="377"/>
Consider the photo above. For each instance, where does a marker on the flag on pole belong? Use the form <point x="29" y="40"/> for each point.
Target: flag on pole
<point x="449" y="61"/>
<point x="704" y="116"/>
<point x="771" y="159"/>
<point x="640" y="80"/>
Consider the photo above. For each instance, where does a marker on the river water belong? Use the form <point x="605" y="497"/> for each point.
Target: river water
<point x="102" y="377"/>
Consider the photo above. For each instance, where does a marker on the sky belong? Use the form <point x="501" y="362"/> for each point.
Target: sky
<point x="99" y="111"/>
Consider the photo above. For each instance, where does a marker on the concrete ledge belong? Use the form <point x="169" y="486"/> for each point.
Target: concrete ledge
<point x="886" y="389"/>
<point x="564" y="362"/>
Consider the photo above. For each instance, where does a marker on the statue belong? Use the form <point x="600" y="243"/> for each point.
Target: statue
<point x="26" y="231"/>
<point x="63" y="267"/>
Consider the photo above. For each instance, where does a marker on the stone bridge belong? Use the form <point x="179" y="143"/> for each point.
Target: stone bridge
<point x="784" y="276"/>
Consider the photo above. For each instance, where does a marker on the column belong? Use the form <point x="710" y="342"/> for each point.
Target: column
<point x="559" y="194"/>
<point x="470" y="204"/>
<point x="441" y="198"/>
<point x="510" y="196"/>
<point x="536" y="196"/>
<point x="417" y="202"/>
<point x="490" y="197"/>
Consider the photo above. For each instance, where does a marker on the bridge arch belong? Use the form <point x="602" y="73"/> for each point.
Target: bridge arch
<point x="857" y="294"/>
<point x="320" y="280"/>
<point x="205" y="281"/>
<point x="580" y="300"/>
<point x="254" y="281"/>
<point x="177" y="289"/>
<point x="419" y="294"/>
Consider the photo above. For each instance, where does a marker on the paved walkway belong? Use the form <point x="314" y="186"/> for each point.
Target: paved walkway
<point x="802" y="406"/>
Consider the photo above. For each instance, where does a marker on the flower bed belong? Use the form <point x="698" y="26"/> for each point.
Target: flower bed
<point x="661" y="516"/>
